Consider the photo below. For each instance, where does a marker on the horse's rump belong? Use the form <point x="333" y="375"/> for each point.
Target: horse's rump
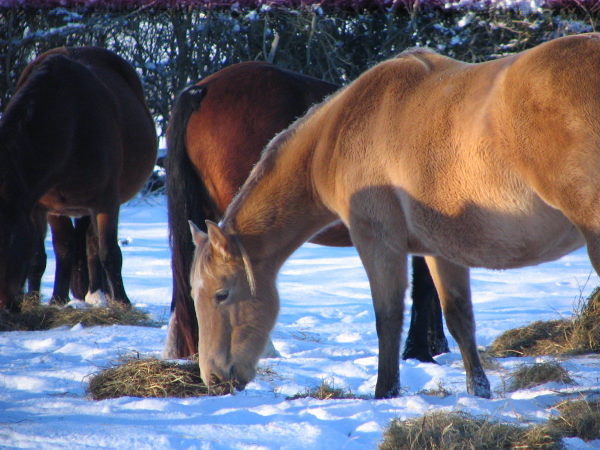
<point x="85" y="142"/>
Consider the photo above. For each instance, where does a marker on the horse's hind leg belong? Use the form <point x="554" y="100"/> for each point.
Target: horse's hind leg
<point x="453" y="286"/>
<point x="80" y="279"/>
<point x="62" y="235"/>
<point x="96" y="287"/>
<point x="110" y="253"/>
<point x="425" y="337"/>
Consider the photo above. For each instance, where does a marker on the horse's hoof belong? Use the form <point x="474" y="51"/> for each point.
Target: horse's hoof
<point x="479" y="386"/>
<point x="387" y="392"/>
<point x="58" y="301"/>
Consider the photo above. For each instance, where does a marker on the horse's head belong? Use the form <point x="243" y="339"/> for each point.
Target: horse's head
<point x="235" y="311"/>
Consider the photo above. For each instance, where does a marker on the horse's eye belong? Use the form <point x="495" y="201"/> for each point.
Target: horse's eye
<point x="221" y="296"/>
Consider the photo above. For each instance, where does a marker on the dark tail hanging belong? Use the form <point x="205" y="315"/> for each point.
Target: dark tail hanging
<point x="187" y="199"/>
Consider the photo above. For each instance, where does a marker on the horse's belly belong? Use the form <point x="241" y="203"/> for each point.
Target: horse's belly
<point x="56" y="203"/>
<point x="495" y="241"/>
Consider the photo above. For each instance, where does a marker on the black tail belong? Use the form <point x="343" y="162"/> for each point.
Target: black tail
<point x="187" y="199"/>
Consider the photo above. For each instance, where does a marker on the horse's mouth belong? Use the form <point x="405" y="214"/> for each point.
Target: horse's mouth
<point x="216" y="386"/>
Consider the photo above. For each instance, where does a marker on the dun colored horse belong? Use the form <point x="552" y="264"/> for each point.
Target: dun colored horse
<point x="474" y="165"/>
<point x="76" y="140"/>
<point x="217" y="130"/>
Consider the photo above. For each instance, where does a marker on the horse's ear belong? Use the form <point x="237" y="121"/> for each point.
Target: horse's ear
<point x="198" y="236"/>
<point x="217" y="238"/>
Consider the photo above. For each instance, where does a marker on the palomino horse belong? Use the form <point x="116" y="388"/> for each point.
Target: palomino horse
<point x="217" y="130"/>
<point x="474" y="165"/>
<point x="77" y="140"/>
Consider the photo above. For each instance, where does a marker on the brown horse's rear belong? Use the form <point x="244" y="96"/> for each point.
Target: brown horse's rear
<point x="87" y="143"/>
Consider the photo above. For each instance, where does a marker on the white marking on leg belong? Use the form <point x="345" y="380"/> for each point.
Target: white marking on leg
<point x="169" y="352"/>
<point x="96" y="298"/>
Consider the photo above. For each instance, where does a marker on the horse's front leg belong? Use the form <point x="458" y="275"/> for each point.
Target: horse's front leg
<point x="386" y="269"/>
<point x="107" y="223"/>
<point x="453" y="286"/>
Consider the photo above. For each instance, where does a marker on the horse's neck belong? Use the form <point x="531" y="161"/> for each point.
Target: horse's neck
<point x="278" y="209"/>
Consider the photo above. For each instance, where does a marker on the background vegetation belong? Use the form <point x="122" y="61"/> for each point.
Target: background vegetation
<point x="175" y="43"/>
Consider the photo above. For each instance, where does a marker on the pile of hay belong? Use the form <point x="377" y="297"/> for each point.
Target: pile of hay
<point x="325" y="391"/>
<point x="36" y="316"/>
<point x="531" y="375"/>
<point x="460" y="430"/>
<point x="579" y="335"/>
<point x="440" y="391"/>
<point x="150" y="377"/>
<point x="577" y="418"/>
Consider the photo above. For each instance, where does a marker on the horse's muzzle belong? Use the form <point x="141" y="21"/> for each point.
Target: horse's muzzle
<point x="225" y="385"/>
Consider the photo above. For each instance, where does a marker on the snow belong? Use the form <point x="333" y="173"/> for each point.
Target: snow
<point x="325" y="331"/>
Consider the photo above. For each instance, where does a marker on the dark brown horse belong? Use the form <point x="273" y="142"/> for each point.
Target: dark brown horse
<point x="217" y="130"/>
<point x="76" y="140"/>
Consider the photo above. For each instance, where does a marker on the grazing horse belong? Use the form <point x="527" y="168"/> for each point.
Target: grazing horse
<point x="76" y="140"/>
<point x="473" y="165"/>
<point x="217" y="129"/>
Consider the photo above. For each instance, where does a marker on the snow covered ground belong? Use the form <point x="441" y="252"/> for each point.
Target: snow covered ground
<point x="325" y="331"/>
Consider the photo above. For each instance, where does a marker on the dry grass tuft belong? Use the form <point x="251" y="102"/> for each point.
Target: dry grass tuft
<point x="460" y="430"/>
<point x="530" y="375"/>
<point x="150" y="377"/>
<point x="579" y="335"/>
<point x="577" y="418"/>
<point x="36" y="316"/>
<point x="584" y="336"/>
<point x="439" y="391"/>
<point x="324" y="391"/>
<point x="537" y="338"/>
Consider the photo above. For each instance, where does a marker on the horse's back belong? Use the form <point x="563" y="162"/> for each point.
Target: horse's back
<point x="137" y="129"/>
<point x="500" y="154"/>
